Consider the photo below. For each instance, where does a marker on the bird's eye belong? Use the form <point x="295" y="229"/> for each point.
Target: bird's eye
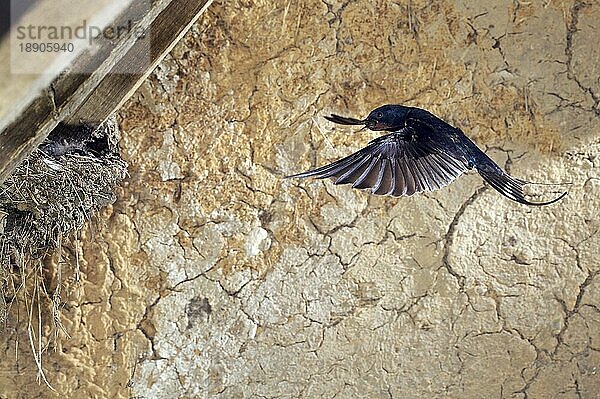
<point x="379" y="115"/>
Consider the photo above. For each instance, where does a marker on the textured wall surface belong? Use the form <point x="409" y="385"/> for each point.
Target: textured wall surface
<point x="215" y="278"/>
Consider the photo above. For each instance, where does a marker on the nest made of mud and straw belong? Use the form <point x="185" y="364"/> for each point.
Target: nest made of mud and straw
<point x="45" y="203"/>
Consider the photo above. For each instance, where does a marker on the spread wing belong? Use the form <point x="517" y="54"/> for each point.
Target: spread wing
<point x="398" y="164"/>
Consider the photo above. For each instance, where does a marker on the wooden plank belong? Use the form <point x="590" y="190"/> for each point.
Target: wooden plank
<point x="75" y="97"/>
<point x="167" y="29"/>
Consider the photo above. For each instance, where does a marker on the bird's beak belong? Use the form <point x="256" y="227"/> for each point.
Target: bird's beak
<point x="342" y="120"/>
<point x="368" y="123"/>
<point x="376" y="125"/>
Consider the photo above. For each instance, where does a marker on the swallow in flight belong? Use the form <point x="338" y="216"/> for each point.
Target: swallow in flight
<point x="420" y="153"/>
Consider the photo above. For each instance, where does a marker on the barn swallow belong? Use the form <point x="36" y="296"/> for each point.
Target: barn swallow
<point x="420" y="153"/>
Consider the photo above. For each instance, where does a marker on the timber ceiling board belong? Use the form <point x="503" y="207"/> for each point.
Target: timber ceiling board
<point x="75" y="97"/>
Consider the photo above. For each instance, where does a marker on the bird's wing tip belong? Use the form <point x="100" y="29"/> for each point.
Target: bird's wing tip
<point x="295" y="175"/>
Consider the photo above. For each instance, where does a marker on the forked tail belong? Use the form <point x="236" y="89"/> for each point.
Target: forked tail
<point x="507" y="185"/>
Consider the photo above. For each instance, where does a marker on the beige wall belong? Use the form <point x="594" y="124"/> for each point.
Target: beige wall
<point x="213" y="277"/>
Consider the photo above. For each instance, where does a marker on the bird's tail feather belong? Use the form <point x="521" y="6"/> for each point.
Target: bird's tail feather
<point x="507" y="185"/>
<point x="501" y="181"/>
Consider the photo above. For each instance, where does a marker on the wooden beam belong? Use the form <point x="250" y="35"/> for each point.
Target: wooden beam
<point x="76" y="98"/>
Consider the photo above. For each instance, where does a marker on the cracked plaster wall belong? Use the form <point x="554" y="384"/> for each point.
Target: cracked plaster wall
<point x="215" y="278"/>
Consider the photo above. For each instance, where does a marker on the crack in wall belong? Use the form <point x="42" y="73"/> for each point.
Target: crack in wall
<point x="575" y="10"/>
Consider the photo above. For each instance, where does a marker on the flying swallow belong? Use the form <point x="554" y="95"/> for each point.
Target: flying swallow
<point x="420" y="153"/>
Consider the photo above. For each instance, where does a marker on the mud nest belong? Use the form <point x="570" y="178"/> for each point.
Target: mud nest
<point x="45" y="202"/>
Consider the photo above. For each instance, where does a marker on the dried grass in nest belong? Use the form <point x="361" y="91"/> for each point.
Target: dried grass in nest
<point x="45" y="202"/>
